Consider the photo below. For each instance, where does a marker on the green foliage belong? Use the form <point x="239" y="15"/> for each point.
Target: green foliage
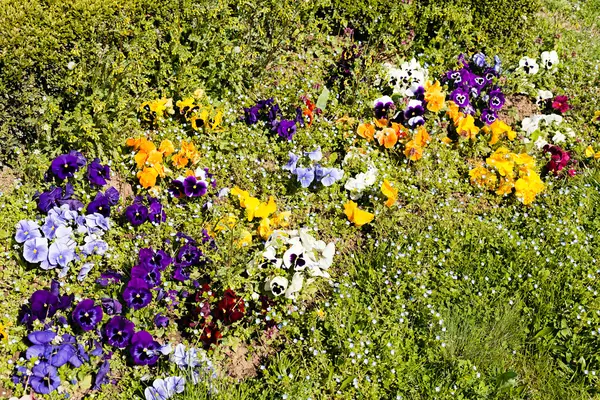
<point x="73" y="73"/>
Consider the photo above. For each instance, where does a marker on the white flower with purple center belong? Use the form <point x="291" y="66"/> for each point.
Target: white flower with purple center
<point x="529" y="65"/>
<point x="277" y="286"/>
<point x="549" y="59"/>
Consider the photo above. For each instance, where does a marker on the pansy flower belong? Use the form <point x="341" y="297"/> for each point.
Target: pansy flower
<point x="44" y="378"/>
<point x="136" y="213"/>
<point x="286" y="129"/>
<point x="118" y="332"/>
<point x="277" y="286"/>
<point x="97" y="173"/>
<point x="561" y="104"/>
<point x="460" y="97"/>
<point x="144" y="349"/>
<point x="529" y="65"/>
<point x="305" y="176"/>
<point x="65" y="165"/>
<point x="137" y="294"/>
<point x="35" y="250"/>
<point x="230" y="308"/>
<point x="549" y="59"/>
<point x="382" y="106"/>
<point x="87" y="315"/>
<point x="27" y="230"/>
<point x="390" y="192"/>
<point x="496" y="100"/>
<point x="357" y="216"/>
<point x="489" y="116"/>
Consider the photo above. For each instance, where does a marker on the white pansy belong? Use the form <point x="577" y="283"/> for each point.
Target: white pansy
<point x="540" y="142"/>
<point x="295" y="286"/>
<point x="361" y="182"/>
<point x="558" y="138"/>
<point x="277" y="286"/>
<point x="529" y="65"/>
<point x="549" y="59"/>
<point x="406" y="79"/>
<point x="543" y="95"/>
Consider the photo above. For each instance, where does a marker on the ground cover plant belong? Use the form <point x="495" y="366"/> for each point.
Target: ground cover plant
<point x="324" y="200"/>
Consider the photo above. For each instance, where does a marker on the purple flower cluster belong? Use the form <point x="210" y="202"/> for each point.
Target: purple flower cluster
<point x="314" y="173"/>
<point x="270" y="112"/>
<point x="194" y="185"/>
<point x="54" y="244"/>
<point x="57" y="197"/>
<point x="103" y="202"/>
<point x="148" y="209"/>
<point x="473" y="87"/>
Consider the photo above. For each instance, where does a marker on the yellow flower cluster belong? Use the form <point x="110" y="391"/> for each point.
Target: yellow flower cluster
<point x="499" y="175"/>
<point x="155" y="110"/>
<point x="201" y="116"/>
<point x="150" y="160"/>
<point x="263" y="211"/>
<point x="394" y="133"/>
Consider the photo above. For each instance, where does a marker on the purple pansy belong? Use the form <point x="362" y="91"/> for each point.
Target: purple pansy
<point x="193" y="187"/>
<point x="330" y="175"/>
<point x="136" y="214"/>
<point x="137" y="294"/>
<point x="144" y="349"/>
<point x="161" y="321"/>
<point x="100" y="205"/>
<point x="489" y="116"/>
<point x="156" y="212"/>
<point x="118" y="332"/>
<point x="460" y="97"/>
<point x="382" y="106"/>
<point x="286" y="129"/>
<point x="44" y="378"/>
<point x="159" y="259"/>
<point x="147" y="273"/>
<point x="87" y="315"/>
<point x="111" y="306"/>
<point x="97" y="173"/>
<point x="64" y="166"/>
<point x="251" y="115"/>
<point x="496" y="100"/>
<point x="108" y="277"/>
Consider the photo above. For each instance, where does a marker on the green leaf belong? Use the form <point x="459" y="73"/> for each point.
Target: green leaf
<point x="323" y="98"/>
<point x="86" y="382"/>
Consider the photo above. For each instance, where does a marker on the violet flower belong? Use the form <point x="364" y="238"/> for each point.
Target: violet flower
<point x="156" y="212"/>
<point x="161" y="321"/>
<point x="111" y="306"/>
<point x="496" y="100"/>
<point x="286" y="129"/>
<point x="305" y="176"/>
<point x="87" y="315"/>
<point x="193" y="187"/>
<point x="35" y="250"/>
<point x="488" y="116"/>
<point x="27" y="230"/>
<point x="97" y="173"/>
<point x="99" y="205"/>
<point x="460" y="97"/>
<point x="147" y="273"/>
<point x="137" y="294"/>
<point x="144" y="349"/>
<point x="44" y="378"/>
<point x="118" y="332"/>
<point x="291" y="164"/>
<point x="159" y="259"/>
<point x="64" y="166"/>
<point x="136" y="214"/>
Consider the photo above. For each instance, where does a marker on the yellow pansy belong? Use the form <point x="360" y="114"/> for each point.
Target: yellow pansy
<point x="482" y="177"/>
<point x="245" y="239"/>
<point x="282" y="219"/>
<point x="505" y="187"/>
<point x="434" y="96"/>
<point x="422" y="138"/>
<point x="502" y="161"/>
<point x="251" y="204"/>
<point x="266" y="209"/>
<point x="497" y="129"/>
<point x="147" y="177"/>
<point x="387" y="137"/>
<point x="390" y="192"/>
<point x="466" y="127"/>
<point x="357" y="216"/>
<point x="264" y="228"/>
<point x="528" y="186"/>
